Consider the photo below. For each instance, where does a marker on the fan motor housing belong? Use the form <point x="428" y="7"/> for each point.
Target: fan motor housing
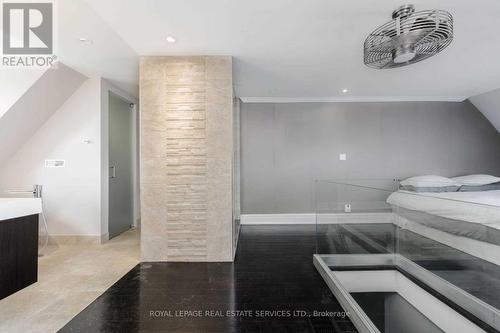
<point x="403" y="11"/>
<point x="403" y="54"/>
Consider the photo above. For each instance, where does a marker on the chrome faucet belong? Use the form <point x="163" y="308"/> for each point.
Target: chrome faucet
<point x="37" y="191"/>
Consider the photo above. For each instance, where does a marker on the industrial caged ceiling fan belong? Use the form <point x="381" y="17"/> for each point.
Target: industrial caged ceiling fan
<point x="408" y="38"/>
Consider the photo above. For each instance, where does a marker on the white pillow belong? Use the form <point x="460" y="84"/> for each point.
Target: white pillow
<point x="476" y="180"/>
<point x="429" y="181"/>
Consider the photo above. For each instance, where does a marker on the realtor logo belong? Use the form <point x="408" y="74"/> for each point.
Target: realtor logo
<point x="28" y="34"/>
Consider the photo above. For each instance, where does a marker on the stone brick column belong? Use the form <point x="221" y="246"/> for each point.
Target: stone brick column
<point x="186" y="158"/>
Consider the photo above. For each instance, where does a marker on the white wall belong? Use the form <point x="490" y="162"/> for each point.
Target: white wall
<point x="75" y="197"/>
<point x="489" y="105"/>
<point x="71" y="194"/>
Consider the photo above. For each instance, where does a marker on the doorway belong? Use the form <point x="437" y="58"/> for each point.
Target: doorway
<point x="121" y="165"/>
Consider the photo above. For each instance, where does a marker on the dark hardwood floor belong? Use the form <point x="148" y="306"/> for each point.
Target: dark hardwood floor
<point x="271" y="287"/>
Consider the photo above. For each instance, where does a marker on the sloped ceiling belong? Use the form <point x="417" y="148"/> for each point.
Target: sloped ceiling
<point x="489" y="105"/>
<point x="35" y="106"/>
<point x="14" y="83"/>
<point x="106" y="55"/>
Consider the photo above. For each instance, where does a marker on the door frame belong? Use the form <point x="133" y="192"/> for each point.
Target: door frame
<point x="106" y="89"/>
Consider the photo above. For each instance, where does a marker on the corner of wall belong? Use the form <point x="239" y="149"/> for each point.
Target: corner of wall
<point x="488" y="104"/>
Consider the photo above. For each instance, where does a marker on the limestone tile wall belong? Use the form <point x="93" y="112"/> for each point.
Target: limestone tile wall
<point x="186" y="158"/>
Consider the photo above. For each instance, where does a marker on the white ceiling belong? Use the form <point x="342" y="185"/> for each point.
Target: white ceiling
<point x="108" y="56"/>
<point x="312" y="49"/>
<point x="13" y="84"/>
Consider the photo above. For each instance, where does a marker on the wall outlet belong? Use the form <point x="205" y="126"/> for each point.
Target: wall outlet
<point x="343" y="157"/>
<point x="347" y="208"/>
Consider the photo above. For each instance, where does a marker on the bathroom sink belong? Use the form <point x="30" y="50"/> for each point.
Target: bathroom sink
<point x="11" y="208"/>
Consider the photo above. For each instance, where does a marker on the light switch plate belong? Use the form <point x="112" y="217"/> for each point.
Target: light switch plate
<point x="55" y="163"/>
<point x="343" y="157"/>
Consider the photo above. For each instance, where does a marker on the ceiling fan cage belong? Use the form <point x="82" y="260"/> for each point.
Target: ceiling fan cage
<point x="410" y="37"/>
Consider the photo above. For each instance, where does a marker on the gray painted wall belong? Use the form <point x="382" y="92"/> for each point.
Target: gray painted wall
<point x="285" y="147"/>
<point x="489" y="105"/>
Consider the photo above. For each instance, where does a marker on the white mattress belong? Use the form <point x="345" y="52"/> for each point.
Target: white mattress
<point x="16" y="207"/>
<point x="475" y="207"/>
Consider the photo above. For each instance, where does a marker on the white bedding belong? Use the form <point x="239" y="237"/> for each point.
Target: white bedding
<point x="476" y="207"/>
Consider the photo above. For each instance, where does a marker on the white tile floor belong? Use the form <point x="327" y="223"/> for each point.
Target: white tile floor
<point x="69" y="278"/>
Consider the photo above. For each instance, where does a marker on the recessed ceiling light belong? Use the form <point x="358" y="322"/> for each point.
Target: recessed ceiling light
<point x="171" y="39"/>
<point x="345" y="91"/>
<point x="85" y="41"/>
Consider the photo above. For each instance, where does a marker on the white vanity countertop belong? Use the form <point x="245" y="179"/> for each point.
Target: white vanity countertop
<point x="11" y="208"/>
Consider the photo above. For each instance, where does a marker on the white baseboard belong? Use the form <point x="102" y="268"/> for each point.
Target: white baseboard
<point x="278" y="219"/>
<point x="104" y="238"/>
<point x="310" y="218"/>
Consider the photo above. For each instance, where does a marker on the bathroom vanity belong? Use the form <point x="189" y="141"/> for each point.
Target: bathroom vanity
<point x="18" y="243"/>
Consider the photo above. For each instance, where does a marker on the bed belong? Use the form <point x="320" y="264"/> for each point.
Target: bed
<point x="473" y="215"/>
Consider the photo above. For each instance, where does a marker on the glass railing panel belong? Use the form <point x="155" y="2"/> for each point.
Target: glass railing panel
<point x="450" y="235"/>
<point x="353" y="216"/>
